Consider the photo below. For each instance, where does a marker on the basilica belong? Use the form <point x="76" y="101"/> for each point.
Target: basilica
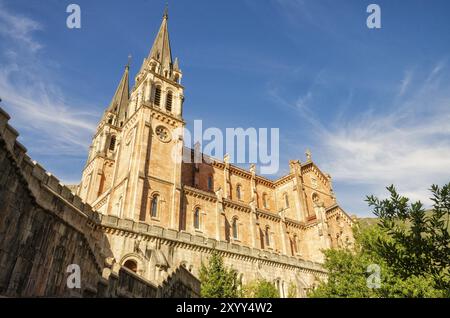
<point x="144" y="212"/>
<point x="131" y="175"/>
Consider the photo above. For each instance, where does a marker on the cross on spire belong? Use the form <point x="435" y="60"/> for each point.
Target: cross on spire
<point x="308" y="155"/>
<point x="129" y="60"/>
<point x="166" y="11"/>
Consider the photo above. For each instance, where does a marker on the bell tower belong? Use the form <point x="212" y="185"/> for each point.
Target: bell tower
<point x="97" y="173"/>
<point x="144" y="176"/>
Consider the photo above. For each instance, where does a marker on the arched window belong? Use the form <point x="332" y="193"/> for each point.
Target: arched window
<point x="286" y="201"/>
<point x="112" y="143"/>
<point x="197" y="218"/>
<point x="177" y="78"/>
<point x="131" y="265"/>
<point x="154" y="206"/>
<point x="210" y="183"/>
<point x="169" y="101"/>
<point x="238" y="192"/>
<point x="158" y="95"/>
<point x="267" y="235"/>
<point x="264" y="198"/>
<point x="110" y="120"/>
<point x="234" y="227"/>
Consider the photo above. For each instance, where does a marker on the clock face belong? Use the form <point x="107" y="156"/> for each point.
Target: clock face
<point x="163" y="133"/>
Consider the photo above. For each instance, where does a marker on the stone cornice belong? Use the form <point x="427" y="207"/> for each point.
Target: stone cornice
<point x="283" y="180"/>
<point x="268" y="215"/>
<point x="164" y="116"/>
<point x="337" y="210"/>
<point x="295" y="223"/>
<point x="209" y="196"/>
<point x="123" y="227"/>
<point x="236" y="205"/>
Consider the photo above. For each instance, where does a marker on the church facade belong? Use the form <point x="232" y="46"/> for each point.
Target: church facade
<point x="160" y="212"/>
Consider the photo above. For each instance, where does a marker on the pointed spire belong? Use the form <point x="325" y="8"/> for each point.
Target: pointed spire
<point x="161" y="46"/>
<point x="119" y="102"/>
<point x="176" y="65"/>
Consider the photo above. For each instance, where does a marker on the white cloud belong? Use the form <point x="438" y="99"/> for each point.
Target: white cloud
<point x="405" y="83"/>
<point x="408" y="146"/>
<point x="38" y="108"/>
<point x="19" y="28"/>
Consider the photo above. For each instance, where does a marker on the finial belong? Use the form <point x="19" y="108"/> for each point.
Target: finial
<point x="166" y="11"/>
<point x="308" y="155"/>
<point x="129" y="61"/>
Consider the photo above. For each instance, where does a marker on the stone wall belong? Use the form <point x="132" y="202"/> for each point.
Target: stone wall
<point x="158" y="251"/>
<point x="44" y="228"/>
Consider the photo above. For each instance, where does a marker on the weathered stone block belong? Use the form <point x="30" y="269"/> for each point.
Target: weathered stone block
<point x="4" y="118"/>
<point x="10" y="136"/>
<point x="140" y="227"/>
<point x="66" y="193"/>
<point x="171" y="234"/>
<point x="211" y="243"/>
<point x="38" y="172"/>
<point x="155" y="230"/>
<point x="53" y="183"/>
<point x="197" y="239"/>
<point x="110" y="220"/>
<point x="184" y="236"/>
<point x="126" y="224"/>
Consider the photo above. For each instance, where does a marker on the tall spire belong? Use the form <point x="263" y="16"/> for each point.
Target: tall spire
<point x="119" y="102"/>
<point x="161" y="46"/>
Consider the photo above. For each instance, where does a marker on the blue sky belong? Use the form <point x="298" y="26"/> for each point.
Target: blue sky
<point x="372" y="105"/>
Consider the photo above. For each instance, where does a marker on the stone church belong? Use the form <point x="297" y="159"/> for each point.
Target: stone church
<point x="268" y="228"/>
<point x="157" y="214"/>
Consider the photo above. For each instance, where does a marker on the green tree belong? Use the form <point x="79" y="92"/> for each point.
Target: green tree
<point x="409" y="245"/>
<point x="260" y="288"/>
<point x="420" y="244"/>
<point x="217" y="281"/>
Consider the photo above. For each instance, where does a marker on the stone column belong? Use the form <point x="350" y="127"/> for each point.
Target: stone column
<point x="227" y="182"/>
<point x="219" y="213"/>
<point x="283" y="232"/>
<point x="253" y="205"/>
<point x="148" y="90"/>
<point x="296" y="169"/>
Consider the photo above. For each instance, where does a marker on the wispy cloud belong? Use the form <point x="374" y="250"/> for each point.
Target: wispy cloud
<point x="19" y="28"/>
<point x="46" y="120"/>
<point x="408" y="145"/>
<point x="405" y="83"/>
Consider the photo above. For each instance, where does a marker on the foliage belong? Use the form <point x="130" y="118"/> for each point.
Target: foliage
<point x="420" y="243"/>
<point x="260" y="288"/>
<point x="410" y="247"/>
<point x="217" y="281"/>
<point x="292" y="290"/>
